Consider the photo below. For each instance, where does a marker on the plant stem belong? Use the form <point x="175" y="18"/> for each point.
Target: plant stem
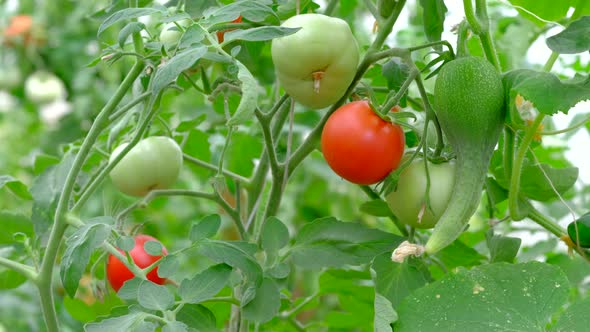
<point x="129" y="106"/>
<point x="26" y="270"/>
<point x="513" y="194"/>
<point x="551" y="61"/>
<point x="160" y="193"/>
<point x="59" y="226"/>
<point x="211" y="167"/>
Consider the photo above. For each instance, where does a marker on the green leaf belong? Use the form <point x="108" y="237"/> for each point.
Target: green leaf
<point x="330" y="242"/>
<point x="259" y="33"/>
<point x="376" y="207"/>
<point x="248" y="102"/>
<point x="133" y="322"/>
<point x="154" y="296"/>
<point x="242" y="150"/>
<point x="193" y="35"/>
<point x="130" y="289"/>
<point x="547" y="10"/>
<point x="15" y="186"/>
<point x="395" y="281"/>
<point x="153" y="248"/>
<point x="385" y="315"/>
<point x="457" y="255"/>
<point x="197" y="317"/>
<point x="206" y="284"/>
<point x="548" y="94"/>
<point x="502" y="248"/>
<point x="12" y="223"/>
<point x="434" y="18"/>
<point x="197" y="8"/>
<point x="251" y="10"/>
<point x="168" y="266"/>
<point x="46" y="189"/>
<point x="125" y="14"/>
<point x="275" y="236"/>
<point x="494" y="297"/>
<point x="534" y="182"/>
<point x="79" y="247"/>
<point x="175" y="66"/>
<point x="574" y="39"/>
<point x="496" y="193"/>
<point x="575" y="268"/>
<point x="128" y="30"/>
<point x="396" y="73"/>
<point x="85" y="313"/>
<point x="205" y="228"/>
<point x="265" y="305"/>
<point x="234" y="256"/>
<point x="10" y="279"/>
<point x="175" y="327"/>
<point x="575" y="318"/>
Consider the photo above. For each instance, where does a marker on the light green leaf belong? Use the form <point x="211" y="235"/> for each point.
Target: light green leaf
<point x="265" y="304"/>
<point x="494" y="297"/>
<point x="179" y="63"/>
<point x="154" y="296"/>
<point x="385" y="315"/>
<point x="206" y="284"/>
<point x="574" y="39"/>
<point x="248" y="102"/>
<point x="205" y="228"/>
<point x="15" y="186"/>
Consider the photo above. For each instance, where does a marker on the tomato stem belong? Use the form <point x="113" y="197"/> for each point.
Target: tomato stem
<point x="25" y="270"/>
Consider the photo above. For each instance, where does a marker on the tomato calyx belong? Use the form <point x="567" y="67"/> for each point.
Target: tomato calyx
<point x="317" y="78"/>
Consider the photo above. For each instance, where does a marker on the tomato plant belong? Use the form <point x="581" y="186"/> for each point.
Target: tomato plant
<point x="359" y="145"/>
<point x="118" y="273"/>
<point x="409" y="201"/>
<point x="316" y="64"/>
<point x="154" y="163"/>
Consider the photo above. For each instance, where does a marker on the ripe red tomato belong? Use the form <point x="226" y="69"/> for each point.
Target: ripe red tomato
<point x="359" y="145"/>
<point x="118" y="273"/>
<point x="220" y="34"/>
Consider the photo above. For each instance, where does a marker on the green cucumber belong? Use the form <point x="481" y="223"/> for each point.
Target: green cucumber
<point x="469" y="102"/>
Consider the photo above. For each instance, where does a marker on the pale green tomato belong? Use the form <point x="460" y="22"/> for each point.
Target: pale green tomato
<point x="316" y="64"/>
<point x="170" y="35"/>
<point x="10" y="78"/>
<point x="408" y="200"/>
<point x="44" y="87"/>
<point x="154" y="163"/>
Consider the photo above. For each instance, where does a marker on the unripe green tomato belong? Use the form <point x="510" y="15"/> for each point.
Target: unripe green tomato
<point x="170" y="35"/>
<point x="154" y="163"/>
<point x="10" y="78"/>
<point x="408" y="199"/>
<point x="316" y="64"/>
<point x="44" y="87"/>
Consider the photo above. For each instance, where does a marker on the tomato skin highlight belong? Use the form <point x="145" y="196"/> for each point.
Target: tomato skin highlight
<point x="118" y="273"/>
<point x="360" y="146"/>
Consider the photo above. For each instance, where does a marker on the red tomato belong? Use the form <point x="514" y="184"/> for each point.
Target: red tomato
<point x="359" y="145"/>
<point x="220" y="34"/>
<point x="118" y="273"/>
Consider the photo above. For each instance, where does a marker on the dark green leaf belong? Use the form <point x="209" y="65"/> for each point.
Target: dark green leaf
<point x="11" y="223"/>
<point x="259" y="33"/>
<point x="154" y="296"/>
<point x="15" y="186"/>
<point x="234" y="256"/>
<point x="396" y="73"/>
<point x="197" y="317"/>
<point x="205" y="228"/>
<point x="79" y="247"/>
<point x="275" y="235"/>
<point x="206" y="284"/>
<point x="179" y="63"/>
<point x="574" y="39"/>
<point x="434" y="18"/>
<point x="376" y="207"/>
<point x="494" y="297"/>
<point x="395" y="281"/>
<point x="502" y="248"/>
<point x="265" y="304"/>
<point x="548" y="94"/>
<point x="329" y="242"/>
<point x="125" y="14"/>
<point x="248" y="102"/>
<point x="128" y="30"/>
